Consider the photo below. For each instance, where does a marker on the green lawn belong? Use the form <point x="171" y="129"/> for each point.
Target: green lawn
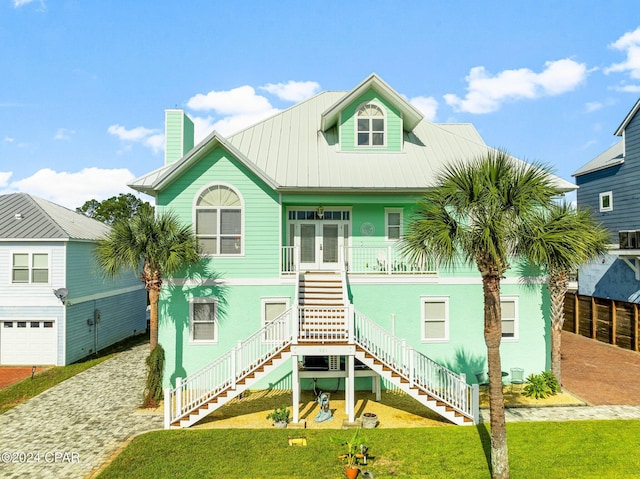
<point x="577" y="449"/>
<point x="20" y="392"/>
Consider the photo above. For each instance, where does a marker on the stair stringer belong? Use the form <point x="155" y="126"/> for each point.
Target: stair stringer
<point x="401" y="382"/>
<point x="219" y="400"/>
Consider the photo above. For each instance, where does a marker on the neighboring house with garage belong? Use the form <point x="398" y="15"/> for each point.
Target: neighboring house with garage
<point x="302" y="281"/>
<point x="55" y="307"/>
<point x="609" y="185"/>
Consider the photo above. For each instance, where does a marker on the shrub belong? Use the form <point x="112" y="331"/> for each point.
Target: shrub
<point x="279" y="414"/>
<point x="552" y="382"/>
<point x="155" y="367"/>
<point x="536" y="387"/>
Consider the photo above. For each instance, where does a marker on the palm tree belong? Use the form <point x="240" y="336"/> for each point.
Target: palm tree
<point x="559" y="240"/>
<point x="162" y="245"/>
<point x="474" y="214"/>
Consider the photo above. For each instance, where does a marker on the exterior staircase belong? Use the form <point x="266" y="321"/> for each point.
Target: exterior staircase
<point x="319" y="289"/>
<point x="323" y="315"/>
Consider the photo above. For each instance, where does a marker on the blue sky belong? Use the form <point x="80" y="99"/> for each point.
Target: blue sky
<point x="84" y="84"/>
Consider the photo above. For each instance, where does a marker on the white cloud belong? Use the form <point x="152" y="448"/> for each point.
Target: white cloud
<point x="64" y="134"/>
<point x="239" y="108"/>
<point x="149" y="138"/>
<point x="202" y="126"/>
<point x="237" y="101"/>
<point x="628" y="88"/>
<point x="135" y="134"/>
<point x="428" y="106"/>
<point x="486" y="93"/>
<point x="628" y="43"/>
<point x="71" y="189"/>
<point x="293" y="91"/>
<point x="593" y="106"/>
<point x="20" y="3"/>
<point x="4" y="178"/>
<point x="8" y="139"/>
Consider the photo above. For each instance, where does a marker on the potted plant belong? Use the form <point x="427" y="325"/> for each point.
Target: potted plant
<point x="351" y="456"/>
<point x="279" y="416"/>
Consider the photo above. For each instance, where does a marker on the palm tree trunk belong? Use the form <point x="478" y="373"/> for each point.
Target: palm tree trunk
<point x="153" y="318"/>
<point x="492" y="337"/>
<point x="557" y="290"/>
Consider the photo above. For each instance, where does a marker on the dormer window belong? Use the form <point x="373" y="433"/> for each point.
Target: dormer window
<point x="371" y="125"/>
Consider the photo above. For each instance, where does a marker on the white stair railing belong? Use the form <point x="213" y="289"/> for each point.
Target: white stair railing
<point x="424" y="373"/>
<point x="225" y="372"/>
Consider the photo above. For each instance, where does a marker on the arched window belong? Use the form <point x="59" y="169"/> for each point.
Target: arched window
<point x="219" y="221"/>
<point x="370" y="122"/>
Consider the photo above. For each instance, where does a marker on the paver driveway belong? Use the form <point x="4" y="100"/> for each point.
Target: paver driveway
<point x="70" y="430"/>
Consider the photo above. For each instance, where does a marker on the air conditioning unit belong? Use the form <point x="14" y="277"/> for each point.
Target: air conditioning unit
<point x="334" y="363"/>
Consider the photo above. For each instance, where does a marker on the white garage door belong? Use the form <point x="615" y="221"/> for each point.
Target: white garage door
<point x="30" y="342"/>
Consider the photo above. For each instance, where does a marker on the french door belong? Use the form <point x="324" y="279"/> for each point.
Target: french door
<point x="319" y="243"/>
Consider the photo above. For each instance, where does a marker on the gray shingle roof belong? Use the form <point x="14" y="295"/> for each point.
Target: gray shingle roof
<point x="611" y="157"/>
<point x="24" y="216"/>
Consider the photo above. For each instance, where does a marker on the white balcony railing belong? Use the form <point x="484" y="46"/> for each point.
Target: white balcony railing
<point x="370" y="260"/>
<point x="384" y="260"/>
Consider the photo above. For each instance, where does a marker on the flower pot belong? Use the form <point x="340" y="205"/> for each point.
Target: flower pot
<point x="351" y="472"/>
<point x="369" y="420"/>
<point x="280" y="424"/>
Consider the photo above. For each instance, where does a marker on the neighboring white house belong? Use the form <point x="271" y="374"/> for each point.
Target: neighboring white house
<point x="55" y="307"/>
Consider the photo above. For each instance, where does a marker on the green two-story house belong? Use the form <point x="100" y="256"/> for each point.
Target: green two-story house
<point x="299" y="219"/>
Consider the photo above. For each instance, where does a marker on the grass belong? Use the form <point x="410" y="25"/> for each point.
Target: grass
<point x="22" y="391"/>
<point x="575" y="449"/>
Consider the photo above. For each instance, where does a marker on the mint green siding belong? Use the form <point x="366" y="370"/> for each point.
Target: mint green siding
<point x="239" y="316"/>
<point x="179" y="135"/>
<point x="261" y="214"/>
<point x="464" y="351"/>
<point x="393" y="121"/>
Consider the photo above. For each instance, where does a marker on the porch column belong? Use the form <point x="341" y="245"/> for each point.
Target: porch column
<point x="295" y="378"/>
<point x="349" y="389"/>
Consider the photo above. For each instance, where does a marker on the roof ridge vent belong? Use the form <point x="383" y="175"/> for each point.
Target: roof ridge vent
<point x="18" y="216"/>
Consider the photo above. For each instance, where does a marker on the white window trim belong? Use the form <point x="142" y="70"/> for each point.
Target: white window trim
<point x="243" y="232"/>
<point x="386" y="223"/>
<point x="203" y="300"/>
<point x="385" y="130"/>
<point x="30" y="253"/>
<point x="271" y="299"/>
<point x="516" y="322"/>
<point x="601" y="198"/>
<point x="434" y="299"/>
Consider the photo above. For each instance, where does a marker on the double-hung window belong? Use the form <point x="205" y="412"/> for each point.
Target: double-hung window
<point x="606" y="201"/>
<point x="435" y="318"/>
<point x="370" y="123"/>
<point x="30" y="268"/>
<point x="272" y="309"/>
<point x="393" y="223"/>
<point x="203" y="320"/>
<point x="509" y="309"/>
<point x="219" y="221"/>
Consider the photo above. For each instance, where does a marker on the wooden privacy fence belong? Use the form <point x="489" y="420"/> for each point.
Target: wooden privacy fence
<point x="606" y="320"/>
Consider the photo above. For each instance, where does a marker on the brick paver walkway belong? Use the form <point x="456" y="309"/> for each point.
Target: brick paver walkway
<point x="13" y="374"/>
<point x="599" y="373"/>
<point x="70" y="430"/>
